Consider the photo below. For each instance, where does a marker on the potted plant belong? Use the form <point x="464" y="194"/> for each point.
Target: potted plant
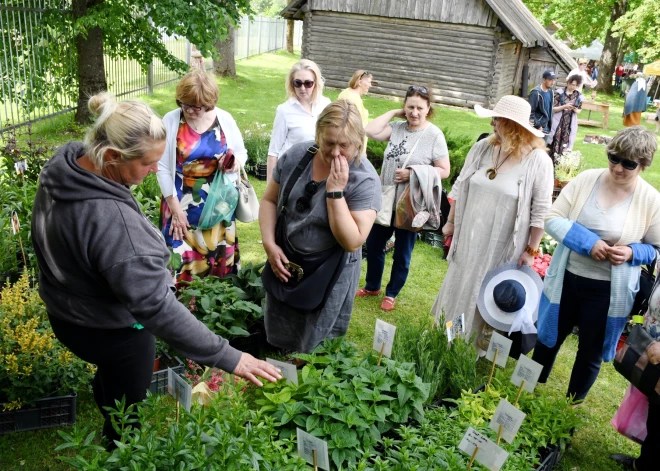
<point x="566" y="169"/>
<point x="256" y="144"/>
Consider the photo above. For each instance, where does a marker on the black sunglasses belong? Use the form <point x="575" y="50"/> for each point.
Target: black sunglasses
<point x="190" y="107"/>
<point x="364" y="73"/>
<point x="299" y="83"/>
<point x="625" y="163"/>
<point x="310" y="190"/>
<point x="417" y="88"/>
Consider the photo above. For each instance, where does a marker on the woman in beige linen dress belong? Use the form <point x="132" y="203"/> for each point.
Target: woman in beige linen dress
<point x="499" y="202"/>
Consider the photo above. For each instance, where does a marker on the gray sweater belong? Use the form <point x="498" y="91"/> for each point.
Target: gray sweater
<point x="103" y="264"/>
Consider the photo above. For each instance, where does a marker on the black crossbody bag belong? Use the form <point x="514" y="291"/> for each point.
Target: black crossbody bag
<point x="313" y="275"/>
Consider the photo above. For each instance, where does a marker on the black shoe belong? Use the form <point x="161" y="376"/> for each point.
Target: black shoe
<point x="626" y="461"/>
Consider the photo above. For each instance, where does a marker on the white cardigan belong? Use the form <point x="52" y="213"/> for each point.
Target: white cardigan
<point x="167" y="164"/>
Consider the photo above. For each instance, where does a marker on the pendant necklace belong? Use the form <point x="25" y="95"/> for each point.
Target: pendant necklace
<point x="491" y="173"/>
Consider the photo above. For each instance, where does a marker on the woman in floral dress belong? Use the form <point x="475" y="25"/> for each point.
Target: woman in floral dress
<point x="200" y="139"/>
<point x="567" y="105"/>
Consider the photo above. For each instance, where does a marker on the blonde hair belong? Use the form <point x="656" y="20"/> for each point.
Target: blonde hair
<point x="129" y="128"/>
<point x="357" y="76"/>
<point x="305" y="64"/>
<point x="634" y="143"/>
<point x="344" y="116"/>
<point x="515" y="137"/>
<point x="199" y="88"/>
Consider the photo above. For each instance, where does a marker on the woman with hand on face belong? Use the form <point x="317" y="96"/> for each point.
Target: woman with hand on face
<point x="607" y="223"/>
<point x="414" y="141"/>
<point x="202" y="140"/>
<point x="295" y="119"/>
<point x="566" y="107"/>
<point x="499" y="202"/>
<point x="359" y="85"/>
<point x="322" y="201"/>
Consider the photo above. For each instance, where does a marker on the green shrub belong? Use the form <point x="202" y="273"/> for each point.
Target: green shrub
<point x="256" y="143"/>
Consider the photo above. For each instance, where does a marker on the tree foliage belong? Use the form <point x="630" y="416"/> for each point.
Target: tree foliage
<point x="641" y="27"/>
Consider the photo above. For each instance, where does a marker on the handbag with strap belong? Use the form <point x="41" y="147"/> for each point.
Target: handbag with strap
<point x="384" y="217"/>
<point x="313" y="275"/>
<point x="247" y="209"/>
<point x="633" y="363"/>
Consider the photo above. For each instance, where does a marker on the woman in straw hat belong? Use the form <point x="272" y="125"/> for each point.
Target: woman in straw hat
<point x="499" y="202"/>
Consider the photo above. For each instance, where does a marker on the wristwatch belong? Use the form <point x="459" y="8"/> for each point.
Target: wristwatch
<point x="335" y="195"/>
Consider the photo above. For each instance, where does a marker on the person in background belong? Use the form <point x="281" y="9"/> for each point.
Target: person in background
<point x="359" y="85"/>
<point x="636" y="101"/>
<point x="594" y="72"/>
<point x="607" y="224"/>
<point x="425" y="143"/>
<point x="581" y="70"/>
<point x="333" y="202"/>
<point x="201" y="138"/>
<point x="541" y="100"/>
<point x="567" y="105"/>
<point x="618" y="76"/>
<point x="103" y="265"/>
<point x="295" y="119"/>
<point x="499" y="202"/>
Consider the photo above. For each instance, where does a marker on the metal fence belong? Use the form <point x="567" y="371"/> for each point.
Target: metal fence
<point x="38" y="80"/>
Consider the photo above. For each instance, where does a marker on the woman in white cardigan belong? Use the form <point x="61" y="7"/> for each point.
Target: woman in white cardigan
<point x="200" y="139"/>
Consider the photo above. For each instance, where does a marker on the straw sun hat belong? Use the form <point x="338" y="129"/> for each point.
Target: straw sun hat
<point x="510" y="107"/>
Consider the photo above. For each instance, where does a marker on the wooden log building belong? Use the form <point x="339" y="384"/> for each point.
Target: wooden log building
<point x="469" y="51"/>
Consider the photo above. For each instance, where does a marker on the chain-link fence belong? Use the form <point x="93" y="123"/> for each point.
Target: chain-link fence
<point x="38" y="77"/>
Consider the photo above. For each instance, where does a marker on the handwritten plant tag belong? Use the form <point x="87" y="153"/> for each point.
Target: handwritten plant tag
<point x="178" y="388"/>
<point x="15" y="223"/>
<point x="527" y="370"/>
<point x="490" y="455"/>
<point x="502" y="345"/>
<point x="455" y="327"/>
<point x="307" y="443"/>
<point x="384" y="335"/>
<point x="20" y="166"/>
<point x="509" y="417"/>
<point x="288" y="370"/>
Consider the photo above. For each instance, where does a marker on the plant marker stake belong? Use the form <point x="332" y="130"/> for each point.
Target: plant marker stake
<point x="177" y="406"/>
<point x="474" y="456"/>
<point x="492" y="370"/>
<point x="499" y="433"/>
<point x="20" y="241"/>
<point x="380" y="357"/>
<point x="316" y="467"/>
<point x="522" y="385"/>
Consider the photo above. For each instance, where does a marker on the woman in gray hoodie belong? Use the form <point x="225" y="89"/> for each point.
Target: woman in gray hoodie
<point x="103" y="265"/>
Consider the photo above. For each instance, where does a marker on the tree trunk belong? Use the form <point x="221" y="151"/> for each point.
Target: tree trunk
<point x="608" y="59"/>
<point x="622" y="51"/>
<point x="290" y="28"/>
<point x="225" y="65"/>
<point x="91" y="72"/>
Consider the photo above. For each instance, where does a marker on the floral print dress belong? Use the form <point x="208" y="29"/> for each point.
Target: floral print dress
<point x="202" y="252"/>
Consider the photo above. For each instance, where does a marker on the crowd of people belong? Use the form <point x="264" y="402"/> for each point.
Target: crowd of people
<point x="109" y="278"/>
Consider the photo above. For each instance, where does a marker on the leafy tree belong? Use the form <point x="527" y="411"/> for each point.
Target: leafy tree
<point x="133" y="29"/>
<point x="642" y="28"/>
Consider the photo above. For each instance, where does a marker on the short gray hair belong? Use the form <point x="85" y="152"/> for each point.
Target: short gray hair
<point x="635" y="143"/>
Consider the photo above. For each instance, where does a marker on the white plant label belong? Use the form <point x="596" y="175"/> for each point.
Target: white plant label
<point x="527" y="370"/>
<point x="455" y="327"/>
<point x="384" y="335"/>
<point x="509" y="417"/>
<point x="288" y="370"/>
<point x="307" y="444"/>
<point x="490" y="455"/>
<point x="502" y="345"/>
<point x="178" y="388"/>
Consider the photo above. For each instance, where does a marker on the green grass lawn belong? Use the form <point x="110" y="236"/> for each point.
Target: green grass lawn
<point x="252" y="98"/>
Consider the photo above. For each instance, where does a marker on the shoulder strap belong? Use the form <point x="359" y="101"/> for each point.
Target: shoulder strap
<point x="302" y="165"/>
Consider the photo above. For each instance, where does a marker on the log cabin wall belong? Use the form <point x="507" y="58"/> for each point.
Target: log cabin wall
<point x="456" y="60"/>
<point x="507" y="66"/>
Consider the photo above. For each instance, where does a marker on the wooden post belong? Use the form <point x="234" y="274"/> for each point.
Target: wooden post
<point x="316" y="466"/>
<point x="20" y="241"/>
<point x="499" y="433"/>
<point x="177" y="405"/>
<point x="474" y="456"/>
<point x="522" y="385"/>
<point x="380" y="357"/>
<point x="290" y="28"/>
<point x="492" y="370"/>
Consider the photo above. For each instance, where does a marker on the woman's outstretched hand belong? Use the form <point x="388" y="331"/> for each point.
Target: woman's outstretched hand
<point x="249" y="368"/>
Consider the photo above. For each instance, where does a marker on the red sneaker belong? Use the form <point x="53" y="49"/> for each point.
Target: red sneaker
<point x="363" y="293"/>
<point x="388" y="304"/>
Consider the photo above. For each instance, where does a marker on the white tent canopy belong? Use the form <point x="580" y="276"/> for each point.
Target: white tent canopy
<point x="592" y="52"/>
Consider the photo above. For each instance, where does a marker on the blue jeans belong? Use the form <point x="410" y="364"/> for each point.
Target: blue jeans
<point x="585" y="303"/>
<point x="403" y="246"/>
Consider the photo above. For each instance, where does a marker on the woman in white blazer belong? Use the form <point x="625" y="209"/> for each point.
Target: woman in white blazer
<point x="200" y="139"/>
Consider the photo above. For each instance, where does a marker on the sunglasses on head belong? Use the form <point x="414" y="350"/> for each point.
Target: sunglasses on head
<point x="310" y="190"/>
<point x="299" y="83"/>
<point x="625" y="163"/>
<point x="419" y="89"/>
<point x="364" y="73"/>
<point x="188" y="107"/>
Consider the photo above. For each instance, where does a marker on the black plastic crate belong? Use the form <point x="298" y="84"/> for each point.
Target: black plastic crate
<point x="46" y="413"/>
<point x="262" y="172"/>
<point x="159" y="379"/>
<point x="552" y="458"/>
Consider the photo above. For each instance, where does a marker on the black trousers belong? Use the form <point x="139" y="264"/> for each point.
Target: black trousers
<point x="125" y="361"/>
<point x="585" y="303"/>
<point x="648" y="458"/>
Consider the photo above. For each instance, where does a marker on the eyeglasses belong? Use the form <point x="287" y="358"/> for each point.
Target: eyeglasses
<point x="310" y="190"/>
<point x="364" y="73"/>
<point x="417" y="88"/>
<point x="188" y="107"/>
<point x="625" y="163"/>
<point x="299" y="83"/>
